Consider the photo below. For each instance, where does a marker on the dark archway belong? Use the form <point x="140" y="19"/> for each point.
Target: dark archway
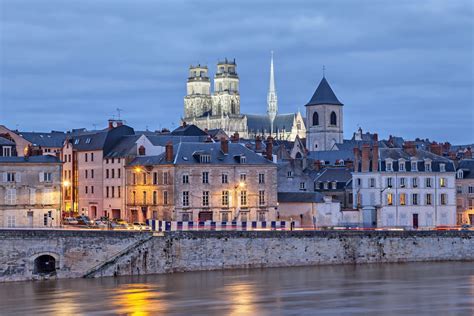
<point x="45" y="264"/>
<point x="141" y="151"/>
<point x="315" y="119"/>
<point x="333" y="118"/>
<point x="298" y="155"/>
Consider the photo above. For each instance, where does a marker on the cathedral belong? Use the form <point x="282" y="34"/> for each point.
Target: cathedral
<point x="221" y="108"/>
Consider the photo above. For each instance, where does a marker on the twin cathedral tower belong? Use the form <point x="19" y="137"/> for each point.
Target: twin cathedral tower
<point x="220" y="109"/>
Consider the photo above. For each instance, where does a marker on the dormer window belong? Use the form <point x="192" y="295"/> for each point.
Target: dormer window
<point x="460" y="174"/>
<point x="389" y="166"/>
<point x="205" y="159"/>
<point x="88" y="140"/>
<point x="442" y="167"/>
<point x="76" y="141"/>
<point x="414" y="166"/>
<point x="428" y="166"/>
<point x="243" y="159"/>
<point x="141" y="151"/>
<point x="401" y="165"/>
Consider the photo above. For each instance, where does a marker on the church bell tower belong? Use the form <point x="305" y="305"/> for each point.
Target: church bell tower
<point x="197" y="101"/>
<point x="226" y="97"/>
<point x="272" y="101"/>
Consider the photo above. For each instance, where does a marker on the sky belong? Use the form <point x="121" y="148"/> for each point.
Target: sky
<point x="402" y="68"/>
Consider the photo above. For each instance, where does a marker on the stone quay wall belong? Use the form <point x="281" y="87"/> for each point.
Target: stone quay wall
<point x="104" y="253"/>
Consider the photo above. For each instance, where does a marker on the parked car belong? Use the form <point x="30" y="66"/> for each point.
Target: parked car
<point x="70" y="221"/>
<point x="121" y="224"/>
<point x="140" y="226"/>
<point x="84" y="220"/>
<point x="101" y="223"/>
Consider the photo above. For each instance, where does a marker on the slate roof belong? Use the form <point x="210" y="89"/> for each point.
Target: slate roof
<point x="260" y="123"/>
<point x="102" y="140"/>
<point x="188" y="130"/>
<point x="31" y="159"/>
<point x="6" y="142"/>
<point x="397" y="153"/>
<point x="324" y="95"/>
<point x="163" y="139"/>
<point x="334" y="174"/>
<point x="331" y="156"/>
<point x="187" y="154"/>
<point x="126" y="146"/>
<point x="300" y="197"/>
<point x="467" y="166"/>
<point x="51" y="139"/>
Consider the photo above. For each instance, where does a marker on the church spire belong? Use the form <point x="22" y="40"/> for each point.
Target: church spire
<point x="272" y="102"/>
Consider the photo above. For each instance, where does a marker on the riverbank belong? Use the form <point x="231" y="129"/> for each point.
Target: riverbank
<point x="42" y="254"/>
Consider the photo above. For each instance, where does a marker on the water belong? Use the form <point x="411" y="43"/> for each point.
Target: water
<point x="391" y="289"/>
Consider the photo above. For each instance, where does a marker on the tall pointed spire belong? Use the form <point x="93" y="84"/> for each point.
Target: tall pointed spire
<point x="272" y="101"/>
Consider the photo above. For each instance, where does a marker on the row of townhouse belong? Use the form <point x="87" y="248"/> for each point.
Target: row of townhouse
<point x="404" y="187"/>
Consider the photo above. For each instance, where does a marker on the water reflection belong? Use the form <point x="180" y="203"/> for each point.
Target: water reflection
<point x="413" y="289"/>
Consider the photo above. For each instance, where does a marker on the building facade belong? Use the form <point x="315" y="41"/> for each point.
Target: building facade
<point x="30" y="188"/>
<point x="404" y="187"/>
<point x="465" y="192"/>
<point x="203" y="181"/>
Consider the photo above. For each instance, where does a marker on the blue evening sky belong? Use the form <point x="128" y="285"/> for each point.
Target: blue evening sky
<point x="401" y="67"/>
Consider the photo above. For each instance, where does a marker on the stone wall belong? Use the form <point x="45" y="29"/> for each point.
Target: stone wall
<point x="97" y="253"/>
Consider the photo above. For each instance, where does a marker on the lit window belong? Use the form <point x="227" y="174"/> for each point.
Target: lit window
<point x="389" y="199"/>
<point x="225" y="198"/>
<point x="442" y="182"/>
<point x="205" y="198"/>
<point x="205" y="177"/>
<point x="243" y="198"/>
<point x="403" y="199"/>
<point x="261" y="197"/>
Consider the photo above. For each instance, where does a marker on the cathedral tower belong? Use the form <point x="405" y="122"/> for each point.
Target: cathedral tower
<point x="324" y="124"/>
<point x="197" y="101"/>
<point x="226" y="97"/>
<point x="272" y="101"/>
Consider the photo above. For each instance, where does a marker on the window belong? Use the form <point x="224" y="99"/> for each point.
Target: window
<point x="165" y="177"/>
<point x="334" y="185"/>
<point x="470" y="189"/>
<point x="427" y="166"/>
<point x="10" y="197"/>
<point x="326" y="185"/>
<point x="11" y="177"/>
<point x="113" y="191"/>
<point x="443" y="199"/>
<point x="403" y="199"/>
<point x="144" y="197"/>
<point x="92" y="156"/>
<point x="86" y="173"/>
<point x="141" y="150"/>
<point x="86" y="189"/>
<point x="205" y="158"/>
<point x="243" y="177"/>
<point x="458" y="189"/>
<point x="76" y="141"/>
<point x="112" y="160"/>
<point x="155" y="177"/>
<point x="402" y="182"/>
<point x="372" y="182"/>
<point x="92" y="173"/>
<point x="243" y="159"/>
<point x="261" y="178"/>
<point x="185" y="179"/>
<point x="358" y="182"/>
<point x="107" y="173"/>
<point x="185" y="198"/>
<point x="243" y="198"/>
<point x="414" y="182"/>
<point x="442" y="167"/>
<point x="11" y="221"/>
<point x="289" y="174"/>
<point x="333" y="119"/>
<point x="389" y="182"/>
<point x="144" y="178"/>
<point x="134" y="178"/>
<point x="401" y="165"/>
<point x="224" y="178"/>
<point x="428" y="182"/>
<point x="118" y="191"/>
<point x="389" y="199"/>
<point x="315" y="119"/>
<point x="7" y="151"/>
<point x="261" y="197"/>
<point x="118" y="173"/>
<point x="106" y="191"/>
<point x="205" y="177"/>
<point x="302" y="186"/>
<point x="113" y="173"/>
<point x="414" y="199"/>
<point x="442" y="182"/>
<point x="107" y="160"/>
<point x="86" y="157"/>
<point x="92" y="189"/>
<point x="165" y="197"/>
<point x="389" y="166"/>
<point x="225" y="198"/>
<point x="261" y="216"/>
<point x="134" y="197"/>
<point x="414" y="166"/>
<point x="155" y="197"/>
<point x="225" y="216"/>
<point x="205" y="198"/>
<point x="429" y="199"/>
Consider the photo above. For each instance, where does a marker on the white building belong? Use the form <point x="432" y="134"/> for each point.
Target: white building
<point x="30" y="191"/>
<point x="404" y="187"/>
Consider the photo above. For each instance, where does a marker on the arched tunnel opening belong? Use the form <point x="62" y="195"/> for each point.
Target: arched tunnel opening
<point x="45" y="264"/>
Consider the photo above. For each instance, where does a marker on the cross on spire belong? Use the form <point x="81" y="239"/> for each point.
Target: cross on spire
<point x="118" y="112"/>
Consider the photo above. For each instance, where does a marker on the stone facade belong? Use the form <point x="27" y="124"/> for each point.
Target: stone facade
<point x="30" y="191"/>
<point x="465" y="192"/>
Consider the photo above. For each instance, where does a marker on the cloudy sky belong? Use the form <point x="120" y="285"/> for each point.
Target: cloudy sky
<point x="404" y="68"/>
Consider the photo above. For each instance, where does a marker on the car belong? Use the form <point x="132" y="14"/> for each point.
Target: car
<point x="140" y="226"/>
<point x="70" y="221"/>
<point x="120" y="224"/>
<point x="84" y="220"/>
<point x="101" y="223"/>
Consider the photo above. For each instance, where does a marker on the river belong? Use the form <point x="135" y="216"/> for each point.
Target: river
<point x="376" y="289"/>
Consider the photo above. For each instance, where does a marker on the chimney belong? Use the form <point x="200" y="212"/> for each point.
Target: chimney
<point x="356" y="159"/>
<point x="452" y="155"/>
<point x="365" y="157"/>
<point x="184" y="124"/>
<point x="376" y="137"/>
<point x="258" y="143"/>
<point x="269" y="151"/>
<point x="317" y="165"/>
<point x="349" y="164"/>
<point x="169" y="151"/>
<point x="119" y="123"/>
<point x="375" y="157"/>
<point x="208" y="139"/>
<point x="111" y="124"/>
<point x="436" y="149"/>
<point x="410" y="148"/>
<point x="224" y="145"/>
<point x="235" y="139"/>
<point x="468" y="153"/>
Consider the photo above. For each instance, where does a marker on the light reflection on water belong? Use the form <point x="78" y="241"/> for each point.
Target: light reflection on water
<point x="392" y="289"/>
